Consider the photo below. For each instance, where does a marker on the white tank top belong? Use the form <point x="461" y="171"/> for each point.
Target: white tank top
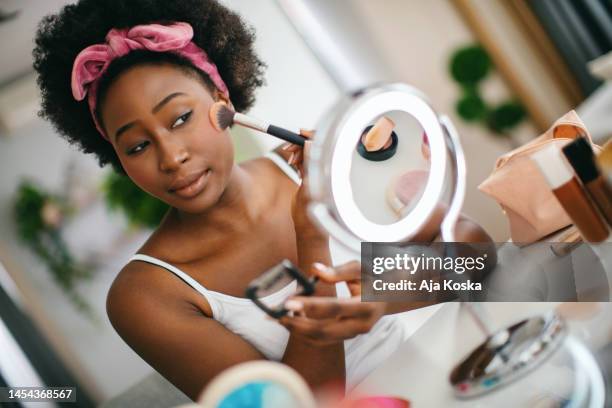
<point x="240" y="315"/>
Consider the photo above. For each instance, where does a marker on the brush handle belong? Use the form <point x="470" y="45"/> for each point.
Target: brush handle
<point x="286" y="135"/>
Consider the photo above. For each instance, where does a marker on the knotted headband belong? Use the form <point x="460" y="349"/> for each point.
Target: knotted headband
<point x="92" y="62"/>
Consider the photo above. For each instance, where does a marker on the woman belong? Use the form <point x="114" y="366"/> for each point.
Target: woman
<point x="132" y="82"/>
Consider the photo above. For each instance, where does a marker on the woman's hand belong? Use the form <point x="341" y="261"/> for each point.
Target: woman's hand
<point x="328" y="320"/>
<point x="304" y="227"/>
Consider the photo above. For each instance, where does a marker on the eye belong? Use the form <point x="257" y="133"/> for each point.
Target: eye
<point x="181" y="119"/>
<point x="138" y="148"/>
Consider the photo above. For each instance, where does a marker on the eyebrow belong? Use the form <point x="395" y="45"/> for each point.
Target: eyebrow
<point x="155" y="109"/>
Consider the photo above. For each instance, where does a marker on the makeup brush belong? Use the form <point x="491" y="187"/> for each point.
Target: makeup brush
<point x="379" y="136"/>
<point x="222" y="117"/>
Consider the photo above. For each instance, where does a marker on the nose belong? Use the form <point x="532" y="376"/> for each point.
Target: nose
<point x="172" y="154"/>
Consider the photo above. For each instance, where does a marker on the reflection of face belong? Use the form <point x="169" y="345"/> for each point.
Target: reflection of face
<point x="156" y="117"/>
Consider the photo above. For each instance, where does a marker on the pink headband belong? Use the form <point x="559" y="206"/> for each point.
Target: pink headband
<point x="93" y="61"/>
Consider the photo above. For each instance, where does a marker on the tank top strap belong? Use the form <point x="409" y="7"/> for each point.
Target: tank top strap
<point x="284" y="166"/>
<point x="184" y="277"/>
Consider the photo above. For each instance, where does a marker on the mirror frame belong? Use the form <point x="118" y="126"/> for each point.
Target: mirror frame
<point x="329" y="166"/>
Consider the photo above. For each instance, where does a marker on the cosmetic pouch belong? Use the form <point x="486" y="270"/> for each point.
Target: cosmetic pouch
<point x="532" y="210"/>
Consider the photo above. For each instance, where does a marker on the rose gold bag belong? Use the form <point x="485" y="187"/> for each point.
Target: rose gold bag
<point x="522" y="192"/>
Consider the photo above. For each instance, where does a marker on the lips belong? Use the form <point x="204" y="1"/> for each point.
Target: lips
<point x="189" y="185"/>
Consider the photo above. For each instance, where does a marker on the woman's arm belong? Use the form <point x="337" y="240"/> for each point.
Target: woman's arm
<point x="319" y="362"/>
<point x="170" y="333"/>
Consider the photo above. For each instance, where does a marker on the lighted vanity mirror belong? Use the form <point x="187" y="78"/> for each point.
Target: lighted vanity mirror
<point x="410" y="177"/>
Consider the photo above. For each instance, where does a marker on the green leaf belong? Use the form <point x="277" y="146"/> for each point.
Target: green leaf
<point x="471" y="107"/>
<point x="470" y="65"/>
<point x="505" y="116"/>
<point x="47" y="243"/>
<point x="27" y="210"/>
<point x="140" y="208"/>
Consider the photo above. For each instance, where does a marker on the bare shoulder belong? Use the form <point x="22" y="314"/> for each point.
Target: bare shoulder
<point x="259" y="160"/>
<point x="266" y="170"/>
<point x="154" y="315"/>
<point x="140" y="288"/>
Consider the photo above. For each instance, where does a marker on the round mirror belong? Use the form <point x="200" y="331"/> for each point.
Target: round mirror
<point x="383" y="166"/>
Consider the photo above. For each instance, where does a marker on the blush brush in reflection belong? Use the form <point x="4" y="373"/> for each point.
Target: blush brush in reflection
<point x="222" y="117"/>
<point x="378" y="142"/>
<point x="379" y="136"/>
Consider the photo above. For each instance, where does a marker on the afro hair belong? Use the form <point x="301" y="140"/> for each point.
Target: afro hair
<point x="221" y="33"/>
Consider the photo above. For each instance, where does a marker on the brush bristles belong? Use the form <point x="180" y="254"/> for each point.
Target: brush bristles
<point x="379" y="135"/>
<point x="224" y="117"/>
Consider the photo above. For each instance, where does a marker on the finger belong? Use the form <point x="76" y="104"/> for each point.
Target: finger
<point x="306" y="150"/>
<point x="350" y="271"/>
<point x="305" y="327"/>
<point x="327" y="331"/>
<point x="292" y="148"/>
<point x="354" y="288"/>
<point x="308" y="133"/>
<point x="331" y="307"/>
<point x="298" y="160"/>
<point x="347" y="328"/>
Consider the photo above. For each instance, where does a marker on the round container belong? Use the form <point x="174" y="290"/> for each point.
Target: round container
<point x="382" y="154"/>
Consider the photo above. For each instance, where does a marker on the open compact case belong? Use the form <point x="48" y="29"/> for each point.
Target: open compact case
<point x="421" y="184"/>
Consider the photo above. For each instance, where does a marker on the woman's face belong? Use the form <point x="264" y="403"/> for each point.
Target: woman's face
<point x="156" y="117"/>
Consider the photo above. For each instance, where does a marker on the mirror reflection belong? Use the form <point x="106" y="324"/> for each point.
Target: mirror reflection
<point x="390" y="167"/>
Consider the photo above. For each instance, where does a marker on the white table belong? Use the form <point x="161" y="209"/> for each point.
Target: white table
<point x="419" y="369"/>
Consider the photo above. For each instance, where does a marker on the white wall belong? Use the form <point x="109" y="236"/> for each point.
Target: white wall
<point x="297" y="90"/>
<point x="416" y="39"/>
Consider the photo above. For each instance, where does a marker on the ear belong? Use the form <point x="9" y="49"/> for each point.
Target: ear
<point x="220" y="97"/>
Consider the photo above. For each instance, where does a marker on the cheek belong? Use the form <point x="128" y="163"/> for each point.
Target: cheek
<point x="227" y="157"/>
<point x="143" y="173"/>
<point x="144" y="179"/>
<point x="215" y="147"/>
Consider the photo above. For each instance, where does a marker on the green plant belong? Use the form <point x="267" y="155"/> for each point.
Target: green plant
<point x="140" y="208"/>
<point x="39" y="216"/>
<point x="471" y="107"/>
<point x="505" y="116"/>
<point x="469" y="67"/>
